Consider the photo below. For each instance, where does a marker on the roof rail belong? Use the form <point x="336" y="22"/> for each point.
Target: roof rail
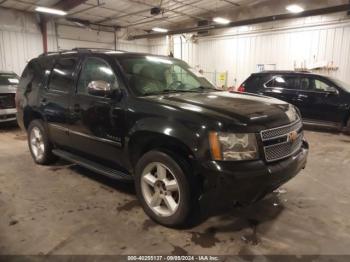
<point x="55" y="52"/>
<point x="79" y="49"/>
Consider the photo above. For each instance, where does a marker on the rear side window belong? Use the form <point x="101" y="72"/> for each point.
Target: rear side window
<point x="287" y="82"/>
<point x="62" y="75"/>
<point x="254" y="82"/>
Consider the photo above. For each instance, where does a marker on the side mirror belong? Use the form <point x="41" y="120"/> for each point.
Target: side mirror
<point x="99" y="88"/>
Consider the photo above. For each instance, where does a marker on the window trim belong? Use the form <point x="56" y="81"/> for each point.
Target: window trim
<point x="319" y="91"/>
<point x="51" y="73"/>
<point x="274" y="77"/>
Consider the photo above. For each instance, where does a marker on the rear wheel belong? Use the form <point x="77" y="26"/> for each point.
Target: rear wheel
<point x="163" y="188"/>
<point x="39" y="144"/>
<point x="347" y="128"/>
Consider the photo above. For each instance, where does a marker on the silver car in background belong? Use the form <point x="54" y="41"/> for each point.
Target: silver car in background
<point x="8" y="86"/>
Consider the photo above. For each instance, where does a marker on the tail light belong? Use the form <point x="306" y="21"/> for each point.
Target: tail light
<point x="241" y="89"/>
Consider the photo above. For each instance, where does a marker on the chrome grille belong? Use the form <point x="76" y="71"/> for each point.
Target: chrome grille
<point x="277" y="144"/>
<point x="7" y="101"/>
<point x="280" y="131"/>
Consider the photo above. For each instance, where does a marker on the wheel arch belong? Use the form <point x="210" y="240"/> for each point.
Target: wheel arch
<point x="29" y="115"/>
<point x="144" y="141"/>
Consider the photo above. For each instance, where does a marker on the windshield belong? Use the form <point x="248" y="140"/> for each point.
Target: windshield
<point x="345" y="86"/>
<point x="153" y="75"/>
<point x="8" y="79"/>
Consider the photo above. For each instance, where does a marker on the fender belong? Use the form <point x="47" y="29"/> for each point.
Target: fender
<point x="191" y="137"/>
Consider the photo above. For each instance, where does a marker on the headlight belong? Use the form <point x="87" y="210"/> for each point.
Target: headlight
<point x="292" y="113"/>
<point x="233" y="147"/>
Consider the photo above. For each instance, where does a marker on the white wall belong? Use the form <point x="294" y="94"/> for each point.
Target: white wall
<point x="71" y="37"/>
<point x="236" y="50"/>
<point x="21" y="40"/>
<point x="239" y="50"/>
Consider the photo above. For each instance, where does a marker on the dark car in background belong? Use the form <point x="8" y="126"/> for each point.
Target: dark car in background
<point x="8" y="87"/>
<point x="322" y="100"/>
<point x="153" y="120"/>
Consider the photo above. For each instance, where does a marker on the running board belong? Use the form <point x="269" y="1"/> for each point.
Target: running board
<point x="93" y="166"/>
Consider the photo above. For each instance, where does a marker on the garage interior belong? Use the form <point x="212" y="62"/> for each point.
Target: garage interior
<point x="66" y="210"/>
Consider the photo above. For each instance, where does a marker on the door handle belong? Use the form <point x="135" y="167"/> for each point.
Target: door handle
<point x="302" y="96"/>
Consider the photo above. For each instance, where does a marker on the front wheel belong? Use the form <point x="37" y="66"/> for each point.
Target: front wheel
<point x="163" y="188"/>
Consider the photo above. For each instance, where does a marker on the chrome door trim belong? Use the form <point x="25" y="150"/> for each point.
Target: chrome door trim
<point x="99" y="139"/>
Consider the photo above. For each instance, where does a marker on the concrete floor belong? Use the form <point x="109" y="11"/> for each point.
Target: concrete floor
<point x="64" y="209"/>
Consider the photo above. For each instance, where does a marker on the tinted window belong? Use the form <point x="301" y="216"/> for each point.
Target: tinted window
<point x="95" y="69"/>
<point x="255" y="82"/>
<point x="314" y="84"/>
<point x="341" y="84"/>
<point x="8" y="79"/>
<point x="289" y="82"/>
<point x="62" y="74"/>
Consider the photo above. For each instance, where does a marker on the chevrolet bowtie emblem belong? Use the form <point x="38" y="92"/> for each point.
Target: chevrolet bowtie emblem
<point x="292" y="136"/>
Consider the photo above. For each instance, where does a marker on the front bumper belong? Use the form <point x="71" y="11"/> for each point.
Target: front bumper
<point x="247" y="182"/>
<point x="7" y="115"/>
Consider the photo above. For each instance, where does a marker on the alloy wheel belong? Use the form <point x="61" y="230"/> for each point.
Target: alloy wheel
<point x="160" y="189"/>
<point x="37" y="143"/>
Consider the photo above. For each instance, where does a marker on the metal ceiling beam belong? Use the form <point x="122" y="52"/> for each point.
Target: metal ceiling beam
<point x="87" y="9"/>
<point x="173" y="10"/>
<point x="314" y="12"/>
<point x="231" y="3"/>
<point x="124" y="15"/>
<point x="67" y="5"/>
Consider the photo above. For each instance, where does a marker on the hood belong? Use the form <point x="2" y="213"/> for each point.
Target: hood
<point x="8" y="89"/>
<point x="243" y="107"/>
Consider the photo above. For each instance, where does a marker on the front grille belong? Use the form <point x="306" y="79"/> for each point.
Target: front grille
<point x="280" y="131"/>
<point x="7" y="101"/>
<point x="278" y="145"/>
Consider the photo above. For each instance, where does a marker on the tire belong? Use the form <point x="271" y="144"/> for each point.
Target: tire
<point x="164" y="195"/>
<point x="347" y="128"/>
<point x="39" y="144"/>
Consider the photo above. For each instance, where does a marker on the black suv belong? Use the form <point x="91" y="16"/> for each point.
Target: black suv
<point x="322" y="100"/>
<point x="154" y="120"/>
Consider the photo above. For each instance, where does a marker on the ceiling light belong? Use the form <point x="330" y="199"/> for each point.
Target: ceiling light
<point x="160" y="30"/>
<point x="50" y="10"/>
<point x="295" y="9"/>
<point x="221" y="20"/>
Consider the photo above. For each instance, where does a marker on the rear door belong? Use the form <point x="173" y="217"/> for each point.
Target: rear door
<point x="284" y="87"/>
<point x="54" y="101"/>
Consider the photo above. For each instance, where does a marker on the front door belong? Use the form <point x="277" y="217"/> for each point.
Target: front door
<point x="320" y="100"/>
<point x="97" y="128"/>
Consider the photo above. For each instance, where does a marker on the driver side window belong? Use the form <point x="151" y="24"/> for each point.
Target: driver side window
<point x="96" y="69"/>
<point x="315" y="84"/>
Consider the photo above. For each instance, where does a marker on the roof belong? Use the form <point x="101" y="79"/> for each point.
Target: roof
<point x="284" y="72"/>
<point x="101" y="51"/>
